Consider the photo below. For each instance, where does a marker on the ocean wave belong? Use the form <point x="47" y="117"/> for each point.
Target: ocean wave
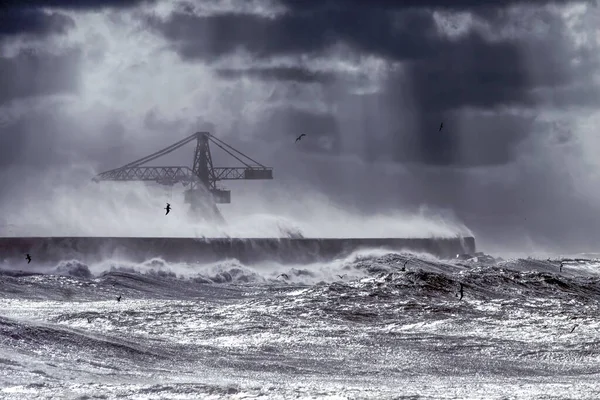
<point x="367" y="270"/>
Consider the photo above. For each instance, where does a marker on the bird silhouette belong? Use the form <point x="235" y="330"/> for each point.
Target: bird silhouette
<point x="300" y="137"/>
<point x="576" y="325"/>
<point x="342" y="276"/>
<point x="168" y="208"/>
<point x="28" y="258"/>
<point x="441" y="126"/>
<point x="460" y="292"/>
<point x="119" y="298"/>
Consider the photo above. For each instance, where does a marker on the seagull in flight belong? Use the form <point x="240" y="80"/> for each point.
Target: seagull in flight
<point x="404" y="266"/>
<point x="28" y="258"/>
<point x="168" y="208"/>
<point x="441" y="126"/>
<point x="119" y="298"/>
<point x="300" y="137"/>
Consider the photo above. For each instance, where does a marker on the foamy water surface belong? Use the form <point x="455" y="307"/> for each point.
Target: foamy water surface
<point x="360" y="327"/>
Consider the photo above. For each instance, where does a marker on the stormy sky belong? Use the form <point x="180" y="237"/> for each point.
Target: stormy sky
<point x="516" y="84"/>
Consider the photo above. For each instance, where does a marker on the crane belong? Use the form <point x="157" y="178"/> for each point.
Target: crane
<point x="201" y="178"/>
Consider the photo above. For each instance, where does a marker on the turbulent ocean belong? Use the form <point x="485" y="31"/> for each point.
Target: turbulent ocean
<point x="373" y="325"/>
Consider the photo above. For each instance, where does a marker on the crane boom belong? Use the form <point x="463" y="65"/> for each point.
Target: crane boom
<point x="201" y="176"/>
<point x="174" y="175"/>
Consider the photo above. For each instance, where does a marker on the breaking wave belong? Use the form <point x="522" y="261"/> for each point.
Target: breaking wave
<point x="397" y="273"/>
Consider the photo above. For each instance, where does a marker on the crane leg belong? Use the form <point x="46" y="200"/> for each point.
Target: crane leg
<point x="204" y="207"/>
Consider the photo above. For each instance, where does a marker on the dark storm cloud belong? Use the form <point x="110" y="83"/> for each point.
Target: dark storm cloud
<point x="34" y="74"/>
<point x="443" y="74"/>
<point x="407" y="36"/>
<point x="19" y="17"/>
<point x="472" y="72"/>
<point x="293" y="74"/>
<point x="447" y="73"/>
<point x="73" y="4"/>
<point x="489" y="73"/>
<point x="33" y="22"/>
<point x="454" y="5"/>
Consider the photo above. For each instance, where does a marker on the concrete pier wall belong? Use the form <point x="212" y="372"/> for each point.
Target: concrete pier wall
<point x="246" y="250"/>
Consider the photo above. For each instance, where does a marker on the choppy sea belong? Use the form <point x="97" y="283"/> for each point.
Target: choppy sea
<point x="373" y="325"/>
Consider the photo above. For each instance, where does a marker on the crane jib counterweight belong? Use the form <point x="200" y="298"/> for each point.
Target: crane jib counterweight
<point x="201" y="177"/>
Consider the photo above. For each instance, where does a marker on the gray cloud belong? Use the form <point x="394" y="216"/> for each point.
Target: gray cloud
<point x="377" y="31"/>
<point x="33" y="140"/>
<point x="282" y="126"/>
<point x="36" y="137"/>
<point x="35" y="73"/>
<point x="454" y="5"/>
<point x="14" y="21"/>
<point x="444" y="75"/>
<point x="73" y="4"/>
<point x="293" y="74"/>
<point x="18" y="17"/>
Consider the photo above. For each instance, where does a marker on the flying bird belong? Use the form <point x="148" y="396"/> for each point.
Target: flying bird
<point x="441" y="126"/>
<point x="300" y="137"/>
<point x="576" y="325"/>
<point x="168" y="208"/>
<point x="28" y="258"/>
<point x="119" y="298"/>
<point x="342" y="276"/>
